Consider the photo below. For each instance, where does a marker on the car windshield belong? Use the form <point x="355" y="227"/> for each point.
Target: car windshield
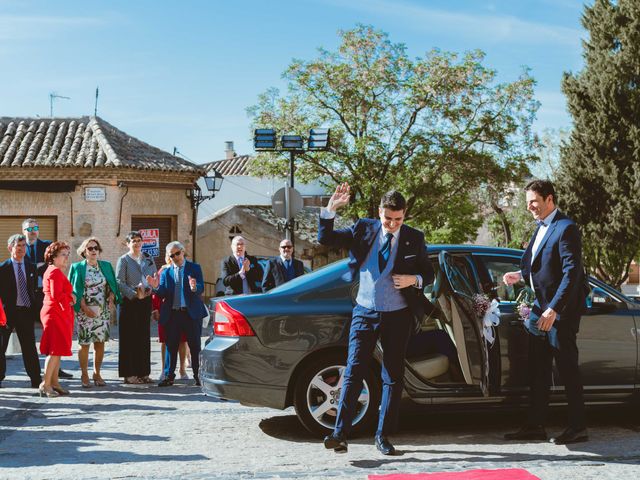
<point x="331" y="270"/>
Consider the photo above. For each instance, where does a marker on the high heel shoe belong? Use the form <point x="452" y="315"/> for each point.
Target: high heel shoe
<point x="85" y="382"/>
<point x="60" y="390"/>
<point x="47" y="393"/>
<point x="98" y="381"/>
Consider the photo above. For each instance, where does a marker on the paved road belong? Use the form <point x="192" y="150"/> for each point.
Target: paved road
<point x="125" y="431"/>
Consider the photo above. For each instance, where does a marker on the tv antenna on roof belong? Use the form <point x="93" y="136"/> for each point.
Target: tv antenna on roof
<point x="53" y="95"/>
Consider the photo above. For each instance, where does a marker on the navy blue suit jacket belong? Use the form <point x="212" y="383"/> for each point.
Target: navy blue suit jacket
<point x="41" y="246"/>
<point x="276" y="274"/>
<point x="195" y="306"/>
<point x="411" y="258"/>
<point x="558" y="273"/>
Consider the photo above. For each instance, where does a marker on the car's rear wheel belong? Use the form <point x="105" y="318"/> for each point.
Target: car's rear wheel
<point x="317" y="393"/>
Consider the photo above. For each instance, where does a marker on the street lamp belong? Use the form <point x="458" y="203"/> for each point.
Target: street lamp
<point x="265" y="140"/>
<point x="213" y="183"/>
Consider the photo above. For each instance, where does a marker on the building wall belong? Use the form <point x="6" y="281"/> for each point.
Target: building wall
<point x="262" y="238"/>
<point x="100" y="219"/>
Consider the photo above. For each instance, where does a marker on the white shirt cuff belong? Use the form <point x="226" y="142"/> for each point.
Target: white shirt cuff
<point x="418" y="281"/>
<point x="326" y="214"/>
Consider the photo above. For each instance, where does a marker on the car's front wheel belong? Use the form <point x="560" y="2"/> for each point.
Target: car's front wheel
<point x="317" y="393"/>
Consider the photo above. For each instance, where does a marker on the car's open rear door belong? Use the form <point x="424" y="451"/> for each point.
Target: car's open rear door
<point x="459" y="285"/>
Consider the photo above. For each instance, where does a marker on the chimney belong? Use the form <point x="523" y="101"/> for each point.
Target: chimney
<point x="228" y="150"/>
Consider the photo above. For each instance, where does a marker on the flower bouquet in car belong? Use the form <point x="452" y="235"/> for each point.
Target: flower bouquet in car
<point x="489" y="312"/>
<point x="525" y="300"/>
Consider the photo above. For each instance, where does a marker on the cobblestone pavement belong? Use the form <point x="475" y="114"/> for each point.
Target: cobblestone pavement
<point x="125" y="431"/>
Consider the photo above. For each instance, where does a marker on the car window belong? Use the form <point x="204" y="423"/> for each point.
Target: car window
<point x="599" y="296"/>
<point x="461" y="274"/>
<point x="496" y="267"/>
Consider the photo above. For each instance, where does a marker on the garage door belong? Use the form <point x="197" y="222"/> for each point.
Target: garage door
<point x="166" y="227"/>
<point x="10" y="225"/>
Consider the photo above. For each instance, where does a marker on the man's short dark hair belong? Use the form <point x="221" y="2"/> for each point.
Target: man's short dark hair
<point x="393" y="200"/>
<point x="544" y="188"/>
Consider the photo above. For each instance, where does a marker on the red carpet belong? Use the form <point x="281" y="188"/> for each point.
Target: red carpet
<point x="502" y="474"/>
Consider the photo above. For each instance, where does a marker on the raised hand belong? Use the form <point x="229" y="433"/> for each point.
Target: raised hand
<point x="340" y="197"/>
<point x="510" y="278"/>
<point x="246" y="265"/>
<point x="192" y="283"/>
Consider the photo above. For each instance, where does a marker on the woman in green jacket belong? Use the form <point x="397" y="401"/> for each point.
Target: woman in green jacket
<point x="96" y="290"/>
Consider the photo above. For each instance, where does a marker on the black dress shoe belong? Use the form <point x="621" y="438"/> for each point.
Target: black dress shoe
<point x="337" y="442"/>
<point x="384" y="446"/>
<point x="166" y="382"/>
<point x="528" y="432"/>
<point x="63" y="374"/>
<point x="571" y="435"/>
<point x="197" y="383"/>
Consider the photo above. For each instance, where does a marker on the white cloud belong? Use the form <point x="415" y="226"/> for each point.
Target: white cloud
<point x="481" y="27"/>
<point x="22" y="27"/>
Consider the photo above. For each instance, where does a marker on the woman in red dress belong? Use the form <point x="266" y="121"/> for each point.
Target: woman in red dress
<point x="56" y="316"/>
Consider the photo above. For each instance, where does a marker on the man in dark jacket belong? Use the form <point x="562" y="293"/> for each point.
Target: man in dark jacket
<point x="241" y="273"/>
<point x="391" y="261"/>
<point x="18" y="280"/>
<point x="283" y="268"/>
<point x="552" y="267"/>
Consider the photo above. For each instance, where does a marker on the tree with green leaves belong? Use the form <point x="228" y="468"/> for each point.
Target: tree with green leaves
<point x="436" y="128"/>
<point x="599" y="176"/>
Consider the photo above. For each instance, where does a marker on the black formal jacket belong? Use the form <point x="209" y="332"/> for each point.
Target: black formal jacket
<point x="411" y="257"/>
<point x="233" y="281"/>
<point x="41" y="246"/>
<point x="276" y="274"/>
<point x="8" y="286"/>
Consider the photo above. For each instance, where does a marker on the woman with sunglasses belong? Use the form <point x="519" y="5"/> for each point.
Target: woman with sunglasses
<point x="96" y="290"/>
<point x="132" y="269"/>
<point x="56" y="316"/>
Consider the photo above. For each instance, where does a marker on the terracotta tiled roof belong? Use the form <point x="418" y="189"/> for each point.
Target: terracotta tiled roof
<point x="85" y="142"/>
<point x="230" y="166"/>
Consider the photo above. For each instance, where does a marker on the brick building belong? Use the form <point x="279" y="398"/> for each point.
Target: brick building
<point x="82" y="176"/>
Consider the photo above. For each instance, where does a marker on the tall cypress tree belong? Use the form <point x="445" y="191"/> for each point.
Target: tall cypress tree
<point x="599" y="175"/>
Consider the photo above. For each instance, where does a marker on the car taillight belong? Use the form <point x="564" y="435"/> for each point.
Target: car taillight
<point x="230" y="323"/>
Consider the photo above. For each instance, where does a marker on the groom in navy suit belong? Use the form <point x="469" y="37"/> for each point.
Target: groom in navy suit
<point x="552" y="266"/>
<point x="181" y="286"/>
<point x="392" y="264"/>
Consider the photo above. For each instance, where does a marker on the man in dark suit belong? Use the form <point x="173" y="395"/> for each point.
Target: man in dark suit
<point x="35" y="254"/>
<point x="241" y="273"/>
<point x="18" y="280"/>
<point x="552" y="266"/>
<point x="283" y="268"/>
<point x="391" y="261"/>
<point x="181" y="286"/>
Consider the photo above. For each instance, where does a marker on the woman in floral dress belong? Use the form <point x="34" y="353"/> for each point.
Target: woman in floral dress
<point x="96" y="290"/>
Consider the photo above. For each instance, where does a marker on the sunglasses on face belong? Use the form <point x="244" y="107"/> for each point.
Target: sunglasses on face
<point x="93" y="249"/>
<point x="174" y="255"/>
<point x="286" y="247"/>
<point x="32" y="229"/>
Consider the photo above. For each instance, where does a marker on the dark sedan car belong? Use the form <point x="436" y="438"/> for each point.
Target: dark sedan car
<point x="288" y="347"/>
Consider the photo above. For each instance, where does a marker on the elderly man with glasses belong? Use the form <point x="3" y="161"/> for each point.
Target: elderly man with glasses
<point x="282" y="268"/>
<point x="181" y="286"/>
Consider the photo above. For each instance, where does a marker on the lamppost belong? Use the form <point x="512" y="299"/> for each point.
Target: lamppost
<point x="265" y="140"/>
<point x="213" y="183"/>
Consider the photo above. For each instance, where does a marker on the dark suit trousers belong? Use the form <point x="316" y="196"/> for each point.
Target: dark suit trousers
<point x="394" y="330"/>
<point x="180" y="322"/>
<point x="541" y="355"/>
<point x="22" y="321"/>
<point x="134" y="352"/>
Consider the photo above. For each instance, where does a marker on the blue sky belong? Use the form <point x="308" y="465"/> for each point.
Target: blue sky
<point x="182" y="73"/>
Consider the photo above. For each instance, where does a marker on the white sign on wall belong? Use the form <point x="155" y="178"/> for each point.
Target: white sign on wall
<point x="95" y="194"/>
